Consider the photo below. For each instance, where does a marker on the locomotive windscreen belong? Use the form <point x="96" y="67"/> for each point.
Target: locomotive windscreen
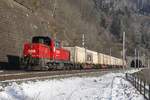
<point x="43" y="40"/>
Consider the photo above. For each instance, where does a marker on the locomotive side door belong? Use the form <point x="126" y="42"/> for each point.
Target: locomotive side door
<point x="57" y="50"/>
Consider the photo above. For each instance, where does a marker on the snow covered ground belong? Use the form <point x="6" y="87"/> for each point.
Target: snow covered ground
<point x="1" y="71"/>
<point x="112" y="86"/>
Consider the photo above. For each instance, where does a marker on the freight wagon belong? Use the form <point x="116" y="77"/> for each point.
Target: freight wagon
<point x="86" y="58"/>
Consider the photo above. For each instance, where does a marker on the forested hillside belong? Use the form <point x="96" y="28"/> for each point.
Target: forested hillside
<point x="102" y="21"/>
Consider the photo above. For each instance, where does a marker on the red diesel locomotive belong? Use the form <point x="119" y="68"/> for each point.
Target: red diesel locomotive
<point x="44" y="53"/>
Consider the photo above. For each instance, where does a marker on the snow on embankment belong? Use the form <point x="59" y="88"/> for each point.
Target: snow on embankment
<point x="111" y="86"/>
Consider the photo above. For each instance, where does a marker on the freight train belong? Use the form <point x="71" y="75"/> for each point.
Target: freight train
<point x="45" y="53"/>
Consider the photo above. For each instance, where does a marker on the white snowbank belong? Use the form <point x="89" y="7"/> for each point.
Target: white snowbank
<point x="1" y="71"/>
<point x="111" y="86"/>
<point x="133" y="71"/>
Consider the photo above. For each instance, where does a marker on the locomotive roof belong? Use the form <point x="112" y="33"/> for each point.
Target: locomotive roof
<point x="46" y="37"/>
<point x="41" y="37"/>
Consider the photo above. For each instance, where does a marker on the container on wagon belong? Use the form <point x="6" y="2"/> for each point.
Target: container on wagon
<point x="100" y="58"/>
<point x="91" y="57"/>
<point x="77" y="54"/>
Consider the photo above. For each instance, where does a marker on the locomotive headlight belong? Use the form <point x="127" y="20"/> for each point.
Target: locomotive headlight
<point x="32" y="51"/>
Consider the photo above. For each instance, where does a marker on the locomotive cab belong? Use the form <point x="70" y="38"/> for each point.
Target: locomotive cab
<point x="39" y="48"/>
<point x="42" y="40"/>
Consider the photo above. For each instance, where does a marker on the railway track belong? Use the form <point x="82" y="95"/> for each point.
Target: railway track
<point x="10" y="76"/>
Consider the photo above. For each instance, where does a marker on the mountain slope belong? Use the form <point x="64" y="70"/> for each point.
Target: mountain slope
<point x="102" y="22"/>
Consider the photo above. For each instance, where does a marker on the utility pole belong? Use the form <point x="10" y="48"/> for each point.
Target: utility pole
<point x="124" y="50"/>
<point x="110" y="55"/>
<point x="135" y="58"/>
<point x="144" y="60"/>
<point x="148" y="63"/>
<point x="138" y="60"/>
<point x="83" y="44"/>
<point x="103" y="56"/>
<point x="83" y="40"/>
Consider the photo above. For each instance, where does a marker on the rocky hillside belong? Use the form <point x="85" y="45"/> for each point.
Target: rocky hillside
<point x="102" y="22"/>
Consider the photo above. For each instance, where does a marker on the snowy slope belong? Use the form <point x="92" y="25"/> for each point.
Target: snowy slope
<point x="111" y="86"/>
